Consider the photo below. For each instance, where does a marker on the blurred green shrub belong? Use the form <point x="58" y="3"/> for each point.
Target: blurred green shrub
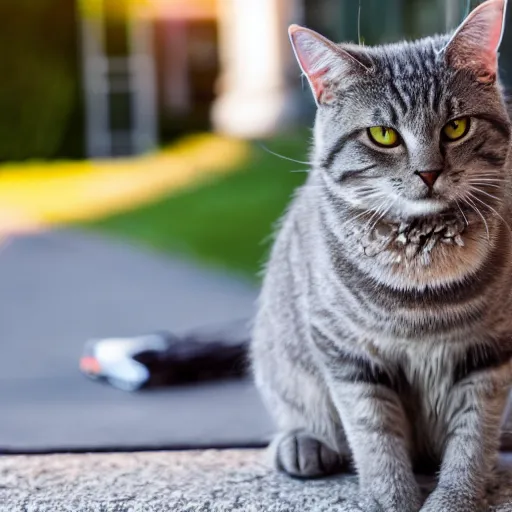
<point x="38" y="77"/>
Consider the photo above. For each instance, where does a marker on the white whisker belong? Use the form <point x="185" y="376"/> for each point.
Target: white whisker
<point x="376" y="213"/>
<point x="262" y="146"/>
<point x="461" y="211"/>
<point x="485" y="184"/>
<point x="479" y="190"/>
<point x="384" y="213"/>
<point x="493" y="210"/>
<point x="472" y="205"/>
<point x="485" y="180"/>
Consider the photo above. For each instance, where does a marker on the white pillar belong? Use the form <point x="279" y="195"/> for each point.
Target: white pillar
<point x="95" y="77"/>
<point x="143" y="80"/>
<point x="132" y="74"/>
<point x="256" y="96"/>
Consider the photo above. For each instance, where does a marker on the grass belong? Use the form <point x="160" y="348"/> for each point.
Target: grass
<point x="225" y="222"/>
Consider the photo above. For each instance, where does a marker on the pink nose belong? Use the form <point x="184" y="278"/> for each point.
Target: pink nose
<point x="429" y="177"/>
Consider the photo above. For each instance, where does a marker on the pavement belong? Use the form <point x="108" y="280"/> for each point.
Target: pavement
<point x="207" y="481"/>
<point x="61" y="288"/>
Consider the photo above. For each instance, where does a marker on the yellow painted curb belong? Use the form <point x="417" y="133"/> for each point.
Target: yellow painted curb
<point x="35" y="195"/>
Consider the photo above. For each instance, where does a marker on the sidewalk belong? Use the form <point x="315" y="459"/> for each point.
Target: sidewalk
<point x="209" y="481"/>
<point x="62" y="288"/>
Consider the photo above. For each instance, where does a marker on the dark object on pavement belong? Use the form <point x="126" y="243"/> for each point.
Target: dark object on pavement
<point x="163" y="359"/>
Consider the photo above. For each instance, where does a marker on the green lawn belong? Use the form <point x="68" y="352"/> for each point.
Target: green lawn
<point x="225" y="222"/>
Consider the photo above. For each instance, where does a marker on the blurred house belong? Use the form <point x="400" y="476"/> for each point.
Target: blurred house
<point x="153" y="69"/>
<point x="149" y="68"/>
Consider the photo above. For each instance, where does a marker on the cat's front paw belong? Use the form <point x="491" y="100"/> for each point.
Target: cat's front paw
<point x="450" y="500"/>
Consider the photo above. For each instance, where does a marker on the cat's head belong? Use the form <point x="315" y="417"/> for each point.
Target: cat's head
<point x="411" y="129"/>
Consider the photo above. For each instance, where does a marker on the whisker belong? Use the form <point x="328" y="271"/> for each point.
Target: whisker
<point x="461" y="211"/>
<point x="491" y="174"/>
<point x="488" y="175"/>
<point x="384" y="213"/>
<point x="376" y="213"/>
<point x="483" y="178"/>
<point x="262" y="146"/>
<point x="485" y="184"/>
<point x="486" y="178"/>
<point x="480" y="191"/>
<point x="472" y="205"/>
<point x="353" y="219"/>
<point x="493" y="210"/>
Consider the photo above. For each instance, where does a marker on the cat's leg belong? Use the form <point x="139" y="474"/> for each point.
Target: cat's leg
<point x="311" y="442"/>
<point x="379" y="435"/>
<point x="472" y="442"/>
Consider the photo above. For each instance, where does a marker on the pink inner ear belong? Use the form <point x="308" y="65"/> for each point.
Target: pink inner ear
<point x="318" y="83"/>
<point x="495" y="34"/>
<point x="312" y="52"/>
<point x="475" y="45"/>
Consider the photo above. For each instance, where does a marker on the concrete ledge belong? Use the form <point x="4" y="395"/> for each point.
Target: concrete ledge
<point x="211" y="481"/>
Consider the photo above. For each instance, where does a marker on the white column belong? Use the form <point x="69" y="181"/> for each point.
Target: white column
<point x="95" y="77"/>
<point x="256" y="98"/>
<point x="143" y="80"/>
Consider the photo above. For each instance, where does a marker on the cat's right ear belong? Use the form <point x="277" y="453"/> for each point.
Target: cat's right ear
<point x="324" y="63"/>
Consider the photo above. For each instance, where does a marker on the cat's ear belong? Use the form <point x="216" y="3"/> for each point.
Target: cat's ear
<point x="475" y="44"/>
<point x="324" y="63"/>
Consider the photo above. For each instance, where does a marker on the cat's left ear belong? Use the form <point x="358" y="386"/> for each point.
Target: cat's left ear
<point x="475" y="44"/>
<point x="324" y="63"/>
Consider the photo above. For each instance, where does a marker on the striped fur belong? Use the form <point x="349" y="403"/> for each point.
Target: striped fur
<point x="384" y="332"/>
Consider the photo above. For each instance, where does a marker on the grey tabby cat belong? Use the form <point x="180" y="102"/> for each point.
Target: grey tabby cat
<point x="384" y="332"/>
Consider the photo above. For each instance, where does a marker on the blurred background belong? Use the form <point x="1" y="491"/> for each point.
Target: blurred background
<point x="140" y="180"/>
<point x="85" y="81"/>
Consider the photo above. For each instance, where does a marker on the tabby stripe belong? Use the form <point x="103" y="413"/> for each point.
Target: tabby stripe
<point x="399" y="98"/>
<point x="329" y="159"/>
<point x="393" y="114"/>
<point x="459" y="292"/>
<point x="502" y="127"/>
<point x="355" y="369"/>
<point x="479" y="146"/>
<point x="479" y="358"/>
<point x="436" y="96"/>
<point x="352" y="172"/>
<point x="450" y="107"/>
<point x="355" y="299"/>
<point x="330" y="192"/>
<point x="495" y="159"/>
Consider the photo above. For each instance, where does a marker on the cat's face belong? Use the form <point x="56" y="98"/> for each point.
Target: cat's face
<point x="413" y="129"/>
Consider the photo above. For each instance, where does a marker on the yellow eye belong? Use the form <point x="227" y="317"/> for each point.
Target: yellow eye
<point x="384" y="137"/>
<point x="457" y="129"/>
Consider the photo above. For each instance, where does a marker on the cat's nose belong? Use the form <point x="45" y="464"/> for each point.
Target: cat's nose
<point x="429" y="177"/>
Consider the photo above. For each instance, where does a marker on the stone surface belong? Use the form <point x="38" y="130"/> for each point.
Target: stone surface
<point x="209" y="481"/>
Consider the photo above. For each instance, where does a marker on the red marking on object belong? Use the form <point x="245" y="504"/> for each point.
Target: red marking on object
<point x="90" y="365"/>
